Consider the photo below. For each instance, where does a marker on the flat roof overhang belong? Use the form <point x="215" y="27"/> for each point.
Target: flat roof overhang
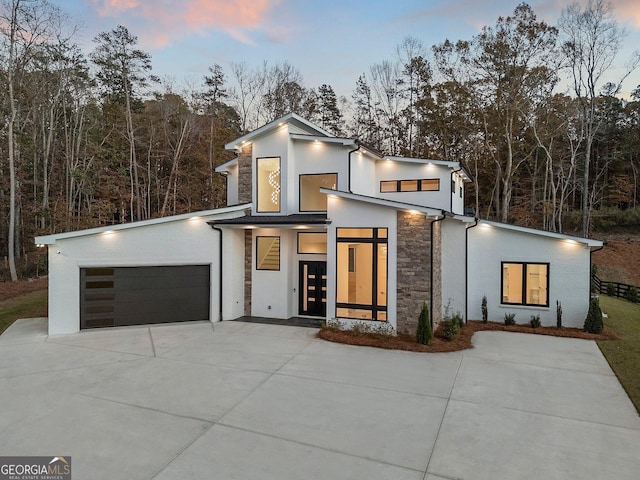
<point x="271" y="221"/>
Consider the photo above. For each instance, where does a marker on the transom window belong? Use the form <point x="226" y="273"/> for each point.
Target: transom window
<point x="267" y="253"/>
<point x="422" y="185"/>
<point x="525" y="283"/>
<point x="268" y="184"/>
<point x="312" y="242"/>
<point x="361" y="273"/>
<point x="311" y="200"/>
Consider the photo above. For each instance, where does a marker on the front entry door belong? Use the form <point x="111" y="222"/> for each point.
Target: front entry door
<point x="313" y="289"/>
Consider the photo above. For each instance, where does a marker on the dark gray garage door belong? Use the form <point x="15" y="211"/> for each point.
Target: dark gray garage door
<point x="140" y="295"/>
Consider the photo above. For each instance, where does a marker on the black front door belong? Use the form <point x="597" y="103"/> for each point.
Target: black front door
<point x="313" y="289"/>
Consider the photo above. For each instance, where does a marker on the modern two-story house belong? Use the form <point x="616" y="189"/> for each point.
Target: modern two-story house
<point x="318" y="226"/>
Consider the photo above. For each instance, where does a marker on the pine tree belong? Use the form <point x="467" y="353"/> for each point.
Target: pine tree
<point x="424" y="335"/>
<point x="593" y="322"/>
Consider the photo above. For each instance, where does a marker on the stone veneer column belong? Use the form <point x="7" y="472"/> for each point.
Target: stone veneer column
<point x="245" y="174"/>
<point x="414" y="270"/>
<point x="248" y="250"/>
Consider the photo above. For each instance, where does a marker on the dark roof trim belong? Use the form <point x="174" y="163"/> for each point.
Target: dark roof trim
<point x="295" y="219"/>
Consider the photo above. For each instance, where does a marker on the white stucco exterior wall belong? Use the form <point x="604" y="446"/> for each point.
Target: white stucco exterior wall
<point x="232" y="185"/>
<point x="569" y="275"/>
<point x="395" y="170"/>
<point x="453" y="266"/>
<point x="348" y="213"/>
<point x="189" y="241"/>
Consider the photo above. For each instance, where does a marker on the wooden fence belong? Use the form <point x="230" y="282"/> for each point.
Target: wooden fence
<point x="616" y="289"/>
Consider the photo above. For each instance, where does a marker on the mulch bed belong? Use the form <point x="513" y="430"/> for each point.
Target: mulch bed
<point x="462" y="342"/>
<point x="15" y="289"/>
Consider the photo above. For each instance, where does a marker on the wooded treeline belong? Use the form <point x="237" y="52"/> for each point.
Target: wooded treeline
<point x="90" y="139"/>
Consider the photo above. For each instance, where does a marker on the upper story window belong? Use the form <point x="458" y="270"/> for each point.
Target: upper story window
<point x="311" y="200"/>
<point x="423" y="185"/>
<point x="268" y="184"/>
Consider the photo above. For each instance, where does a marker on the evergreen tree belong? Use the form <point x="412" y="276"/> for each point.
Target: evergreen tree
<point x="424" y="335"/>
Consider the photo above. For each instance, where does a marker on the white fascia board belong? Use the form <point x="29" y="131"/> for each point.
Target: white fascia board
<point x="225" y="166"/>
<point x="52" y="239"/>
<point x="238" y="143"/>
<point x="534" y="231"/>
<point x="432" y="212"/>
<point x="318" y="138"/>
<point x="425" y="161"/>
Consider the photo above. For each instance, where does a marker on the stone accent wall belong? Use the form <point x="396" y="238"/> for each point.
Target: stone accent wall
<point x="414" y="270"/>
<point x="245" y="174"/>
<point x="437" y="273"/>
<point x="248" y="252"/>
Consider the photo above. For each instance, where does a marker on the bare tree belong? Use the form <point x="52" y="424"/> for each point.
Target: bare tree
<point x="24" y="27"/>
<point x="591" y="40"/>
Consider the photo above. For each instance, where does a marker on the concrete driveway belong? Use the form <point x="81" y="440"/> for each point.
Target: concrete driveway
<point x="249" y="401"/>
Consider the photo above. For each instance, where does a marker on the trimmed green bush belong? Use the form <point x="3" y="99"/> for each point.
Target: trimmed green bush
<point x="485" y="311"/>
<point x="593" y="323"/>
<point x="424" y="335"/>
<point x="535" y="321"/>
<point x="558" y="314"/>
<point x="509" y="318"/>
<point x="611" y="289"/>
<point x="632" y="295"/>
<point x="450" y="328"/>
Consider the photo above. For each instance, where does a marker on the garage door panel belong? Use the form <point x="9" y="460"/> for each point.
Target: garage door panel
<point x="142" y="295"/>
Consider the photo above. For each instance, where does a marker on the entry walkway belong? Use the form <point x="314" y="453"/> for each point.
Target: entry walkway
<point x="257" y="401"/>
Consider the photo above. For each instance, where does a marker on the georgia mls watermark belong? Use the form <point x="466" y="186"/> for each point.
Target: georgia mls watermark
<point x="35" y="468"/>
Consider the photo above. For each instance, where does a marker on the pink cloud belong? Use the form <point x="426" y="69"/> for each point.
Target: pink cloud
<point x="163" y="21"/>
<point x="628" y="10"/>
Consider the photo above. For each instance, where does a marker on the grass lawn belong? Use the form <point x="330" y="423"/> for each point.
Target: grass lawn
<point x="623" y="355"/>
<point x="30" y="305"/>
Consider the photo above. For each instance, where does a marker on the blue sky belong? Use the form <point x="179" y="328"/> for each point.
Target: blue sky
<point x="330" y="41"/>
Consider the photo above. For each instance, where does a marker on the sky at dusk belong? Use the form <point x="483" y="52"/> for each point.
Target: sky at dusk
<point x="329" y="41"/>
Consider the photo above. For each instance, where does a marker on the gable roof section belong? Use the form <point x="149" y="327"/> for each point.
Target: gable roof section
<point x="299" y="125"/>
<point x="460" y="168"/>
<point x="532" y="231"/>
<point x="432" y="212"/>
<point x="227" y="211"/>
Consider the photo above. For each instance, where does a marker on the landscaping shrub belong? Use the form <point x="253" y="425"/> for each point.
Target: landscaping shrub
<point x="535" y="321"/>
<point x="509" y="318"/>
<point x="485" y="311"/>
<point x="611" y="289"/>
<point x="424" y="335"/>
<point x="450" y="328"/>
<point x="632" y="295"/>
<point x="558" y="314"/>
<point x="593" y="323"/>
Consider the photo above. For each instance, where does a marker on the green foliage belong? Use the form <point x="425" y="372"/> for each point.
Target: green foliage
<point x="485" y="311"/>
<point x="611" y="289"/>
<point x="593" y="323"/>
<point x="558" y="314"/>
<point x="450" y="328"/>
<point x="607" y="220"/>
<point x="632" y="295"/>
<point x="424" y="335"/>
<point x="509" y="318"/>
<point x="535" y="321"/>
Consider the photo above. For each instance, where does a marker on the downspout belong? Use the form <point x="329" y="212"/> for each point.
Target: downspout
<point x="431" y="278"/>
<point x="453" y="193"/>
<point x="219" y="230"/>
<point x="349" y="166"/>
<point x="591" y="252"/>
<point x="466" y="269"/>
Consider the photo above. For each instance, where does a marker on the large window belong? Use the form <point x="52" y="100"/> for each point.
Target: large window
<point x="361" y="273"/>
<point x="423" y="185"/>
<point x="268" y="186"/>
<point x="268" y="253"/>
<point x="311" y="200"/>
<point x="525" y="283"/>
<point x="312" y="242"/>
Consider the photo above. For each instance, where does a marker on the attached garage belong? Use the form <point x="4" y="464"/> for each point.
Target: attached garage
<point x="154" y="271"/>
<point x="119" y="296"/>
